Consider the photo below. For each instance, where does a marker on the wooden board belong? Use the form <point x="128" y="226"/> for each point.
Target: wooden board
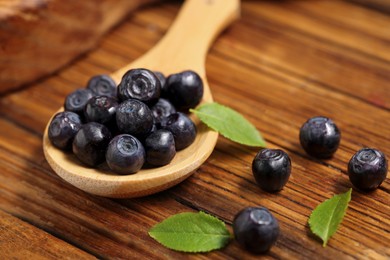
<point x="282" y="63"/>
<point x="38" y="37"/>
<point x="22" y="240"/>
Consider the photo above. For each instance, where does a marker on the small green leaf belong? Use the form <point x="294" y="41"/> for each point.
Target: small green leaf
<point x="191" y="232"/>
<point x="229" y="123"/>
<point x="327" y="216"/>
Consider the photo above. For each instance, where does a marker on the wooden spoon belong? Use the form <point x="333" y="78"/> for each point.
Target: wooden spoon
<point x="183" y="47"/>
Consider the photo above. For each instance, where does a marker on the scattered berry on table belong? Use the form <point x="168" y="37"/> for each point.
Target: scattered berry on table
<point x="367" y="169"/>
<point x="90" y="143"/>
<point x="62" y="129"/>
<point x="255" y="229"/>
<point x="271" y="169"/>
<point x="320" y="137"/>
<point x="160" y="148"/>
<point x="125" y="154"/>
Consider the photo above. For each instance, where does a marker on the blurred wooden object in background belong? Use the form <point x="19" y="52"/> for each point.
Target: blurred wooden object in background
<point x="37" y="37"/>
<point x="378" y="5"/>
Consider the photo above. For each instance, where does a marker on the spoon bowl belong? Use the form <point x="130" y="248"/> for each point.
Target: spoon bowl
<point x="184" y="47"/>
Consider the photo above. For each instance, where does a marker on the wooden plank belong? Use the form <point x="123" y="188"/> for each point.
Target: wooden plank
<point x="106" y="228"/>
<point x="279" y="44"/>
<point x="53" y="31"/>
<point x="25" y="190"/>
<point x="20" y="240"/>
<point x="292" y="15"/>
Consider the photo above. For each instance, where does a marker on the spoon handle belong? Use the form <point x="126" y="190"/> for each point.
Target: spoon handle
<point x="186" y="43"/>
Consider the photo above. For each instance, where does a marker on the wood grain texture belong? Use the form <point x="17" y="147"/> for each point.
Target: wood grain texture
<point x="282" y="63"/>
<point x="38" y="37"/>
<point x="378" y="5"/>
<point x="20" y="240"/>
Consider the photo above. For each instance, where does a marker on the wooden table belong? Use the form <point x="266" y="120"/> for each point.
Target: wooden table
<point x="282" y="63"/>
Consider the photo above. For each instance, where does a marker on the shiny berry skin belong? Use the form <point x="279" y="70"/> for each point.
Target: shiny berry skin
<point x="100" y="109"/>
<point x="90" y="143"/>
<point x="140" y="84"/>
<point x="161" y="77"/>
<point x="320" y="137"/>
<point x="62" y="129"/>
<point x="142" y="137"/>
<point x="76" y="101"/>
<point x="271" y="169"/>
<point x="134" y="117"/>
<point x="160" y="148"/>
<point x="184" y="90"/>
<point x="182" y="128"/>
<point x="163" y="108"/>
<point x="255" y="229"/>
<point x="102" y="85"/>
<point x="125" y="154"/>
<point x="367" y="169"/>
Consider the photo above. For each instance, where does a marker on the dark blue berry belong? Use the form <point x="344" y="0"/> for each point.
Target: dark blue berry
<point x="134" y="117"/>
<point x="163" y="108"/>
<point x="320" y="137"/>
<point x="90" y="143"/>
<point x="255" y="229"/>
<point x="271" y="169"/>
<point x="100" y="109"/>
<point x="160" y="148"/>
<point x="142" y="137"/>
<point x="125" y="154"/>
<point x="62" y="129"/>
<point x="182" y="128"/>
<point x="77" y="100"/>
<point x="367" y="169"/>
<point x="185" y="89"/>
<point x="161" y="77"/>
<point x="141" y="84"/>
<point x="102" y="85"/>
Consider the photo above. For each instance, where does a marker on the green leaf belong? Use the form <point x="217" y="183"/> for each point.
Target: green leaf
<point x="191" y="232"/>
<point x="229" y="123"/>
<point x="327" y="216"/>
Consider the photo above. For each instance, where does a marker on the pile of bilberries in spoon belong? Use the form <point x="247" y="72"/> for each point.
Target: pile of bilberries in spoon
<point x="142" y="122"/>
